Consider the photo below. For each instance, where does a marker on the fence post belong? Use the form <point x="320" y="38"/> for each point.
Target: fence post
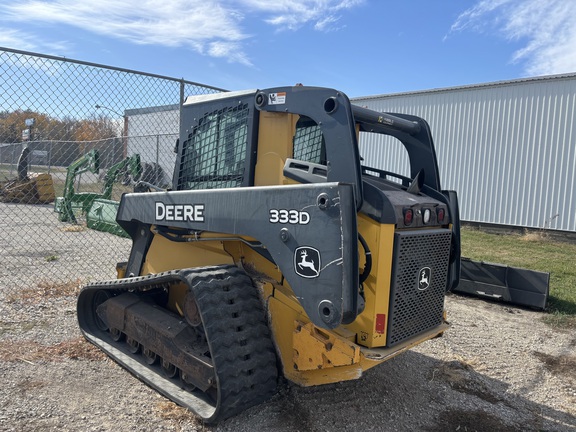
<point x="182" y="84"/>
<point x="12" y="160"/>
<point x="49" y="156"/>
<point x="157" y="173"/>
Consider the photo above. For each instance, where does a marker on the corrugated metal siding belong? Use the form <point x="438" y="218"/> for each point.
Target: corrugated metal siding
<point x="152" y="133"/>
<point x="508" y="149"/>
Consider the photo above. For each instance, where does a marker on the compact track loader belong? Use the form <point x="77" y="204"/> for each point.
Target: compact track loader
<point x="277" y="252"/>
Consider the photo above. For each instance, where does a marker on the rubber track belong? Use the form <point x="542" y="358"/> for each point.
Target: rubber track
<point x="235" y="325"/>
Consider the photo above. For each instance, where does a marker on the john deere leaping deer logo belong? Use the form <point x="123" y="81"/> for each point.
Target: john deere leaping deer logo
<point x="307" y="262"/>
<point x="424" y="278"/>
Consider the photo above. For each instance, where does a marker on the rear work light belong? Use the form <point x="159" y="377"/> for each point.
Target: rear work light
<point x="426" y="216"/>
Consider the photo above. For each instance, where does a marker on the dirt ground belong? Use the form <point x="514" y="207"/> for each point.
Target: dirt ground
<point x="498" y="368"/>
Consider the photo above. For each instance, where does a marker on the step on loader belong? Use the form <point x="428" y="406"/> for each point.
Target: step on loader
<point x="276" y="252"/>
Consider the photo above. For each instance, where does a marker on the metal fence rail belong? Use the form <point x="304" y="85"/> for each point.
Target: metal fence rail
<point x="63" y="119"/>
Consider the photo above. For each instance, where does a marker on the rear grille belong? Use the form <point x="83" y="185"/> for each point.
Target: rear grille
<point x="419" y="274"/>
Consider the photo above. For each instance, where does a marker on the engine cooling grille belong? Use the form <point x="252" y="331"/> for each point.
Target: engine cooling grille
<point x="419" y="274"/>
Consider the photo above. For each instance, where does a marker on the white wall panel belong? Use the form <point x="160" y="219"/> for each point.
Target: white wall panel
<point x="508" y="148"/>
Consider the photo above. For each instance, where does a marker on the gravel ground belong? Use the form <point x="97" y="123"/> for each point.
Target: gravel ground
<point x="35" y="246"/>
<point x="498" y="368"/>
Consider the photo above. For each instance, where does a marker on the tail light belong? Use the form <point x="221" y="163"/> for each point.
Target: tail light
<point x="440" y="214"/>
<point x="408" y="216"/>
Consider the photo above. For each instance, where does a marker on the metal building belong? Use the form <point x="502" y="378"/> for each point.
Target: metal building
<point x="152" y="132"/>
<point x="508" y="148"/>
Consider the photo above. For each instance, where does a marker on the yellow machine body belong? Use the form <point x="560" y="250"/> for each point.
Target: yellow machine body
<point x="275" y="247"/>
<point x="309" y="355"/>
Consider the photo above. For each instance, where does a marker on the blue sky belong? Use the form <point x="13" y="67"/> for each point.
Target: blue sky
<point x="361" y="47"/>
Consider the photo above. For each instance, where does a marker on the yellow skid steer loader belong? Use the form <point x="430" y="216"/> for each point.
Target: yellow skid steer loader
<point x="277" y="252"/>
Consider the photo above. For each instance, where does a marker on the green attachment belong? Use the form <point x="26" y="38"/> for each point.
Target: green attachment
<point x="70" y="199"/>
<point x="131" y="164"/>
<point x="102" y="217"/>
<point x="99" y="209"/>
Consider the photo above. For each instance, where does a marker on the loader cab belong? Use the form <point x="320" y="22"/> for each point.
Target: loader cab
<point x="217" y="144"/>
<point x="301" y="135"/>
<point x="225" y="136"/>
<point x="245" y="138"/>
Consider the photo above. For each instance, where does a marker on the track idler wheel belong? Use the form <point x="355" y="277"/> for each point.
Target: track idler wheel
<point x="150" y="356"/>
<point x="186" y="384"/>
<point x="116" y="334"/>
<point x="133" y="345"/>
<point x="169" y="369"/>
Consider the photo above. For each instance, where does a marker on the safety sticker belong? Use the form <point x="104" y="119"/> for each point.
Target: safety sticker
<point x="277" y="98"/>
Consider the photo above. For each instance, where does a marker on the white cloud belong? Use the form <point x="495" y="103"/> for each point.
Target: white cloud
<point x="17" y="38"/>
<point x="547" y="28"/>
<point x="293" y="14"/>
<point x="210" y="27"/>
<point x="26" y="41"/>
<point x="172" y="23"/>
<point x="230" y="51"/>
<point x="326" y="24"/>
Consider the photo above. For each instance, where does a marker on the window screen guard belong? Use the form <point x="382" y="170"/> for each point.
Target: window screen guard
<point x="214" y="154"/>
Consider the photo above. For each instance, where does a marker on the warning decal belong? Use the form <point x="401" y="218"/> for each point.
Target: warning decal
<point x="276" y="98"/>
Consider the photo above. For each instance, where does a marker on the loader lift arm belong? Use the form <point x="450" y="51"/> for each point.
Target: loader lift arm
<point x="329" y="298"/>
<point x="131" y="165"/>
<point x="64" y="206"/>
<point x="84" y="200"/>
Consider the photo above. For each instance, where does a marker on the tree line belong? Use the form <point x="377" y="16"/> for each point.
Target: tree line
<point x="47" y="128"/>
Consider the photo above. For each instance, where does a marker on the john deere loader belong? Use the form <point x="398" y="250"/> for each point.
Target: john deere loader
<point x="276" y="252"/>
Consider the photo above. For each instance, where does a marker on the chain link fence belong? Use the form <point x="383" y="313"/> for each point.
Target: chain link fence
<point x="74" y="136"/>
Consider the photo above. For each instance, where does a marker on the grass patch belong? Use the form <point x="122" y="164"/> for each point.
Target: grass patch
<point x="558" y="365"/>
<point x="533" y="252"/>
<point x="560" y="319"/>
<point x="21" y="326"/>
